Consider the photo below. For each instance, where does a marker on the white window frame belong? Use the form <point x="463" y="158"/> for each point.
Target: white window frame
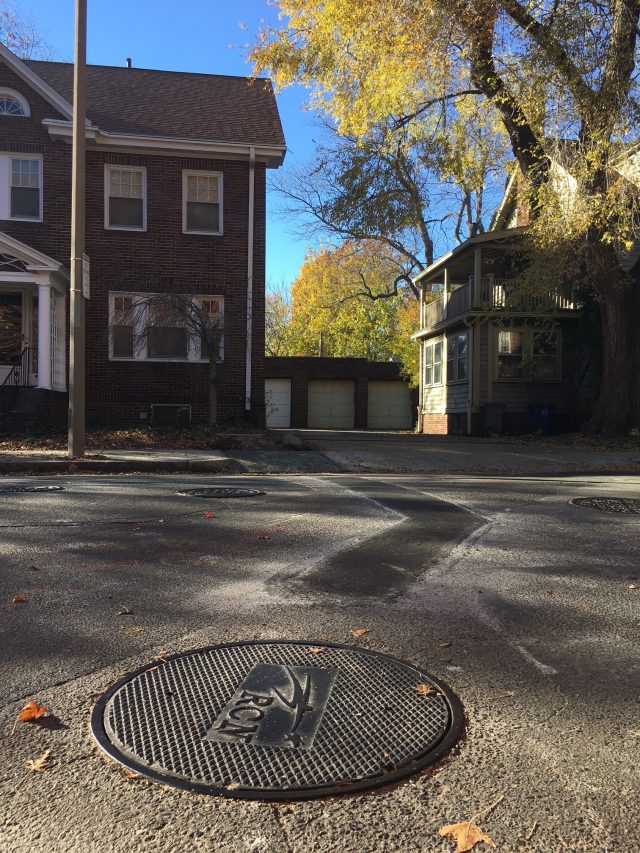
<point x="456" y="360"/>
<point x="107" y="185"/>
<point x="9" y="171"/>
<point x="140" y="322"/>
<point x="11" y="93"/>
<point x="187" y="173"/>
<point x="443" y="362"/>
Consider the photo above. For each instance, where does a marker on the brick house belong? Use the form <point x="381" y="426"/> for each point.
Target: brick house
<point x="175" y="204"/>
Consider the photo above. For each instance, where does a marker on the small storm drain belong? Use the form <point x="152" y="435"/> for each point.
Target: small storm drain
<point x="277" y="720"/>
<point x="11" y="490"/>
<point x="625" y="505"/>
<point x="219" y="492"/>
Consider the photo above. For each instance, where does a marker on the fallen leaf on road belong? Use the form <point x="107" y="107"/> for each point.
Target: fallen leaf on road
<point x="124" y="611"/>
<point x="208" y="515"/>
<point x="317" y="650"/>
<point x="135" y="629"/>
<point x="39" y="764"/>
<point x="508" y="694"/>
<point x="444" y="645"/>
<point x="131" y="776"/>
<point x="32" y="569"/>
<point x="466" y="836"/>
<point x="233" y="786"/>
<point x="359" y="632"/>
<point x="634" y="586"/>
<point x="18" y="599"/>
<point x="423" y="689"/>
<point x="32" y="711"/>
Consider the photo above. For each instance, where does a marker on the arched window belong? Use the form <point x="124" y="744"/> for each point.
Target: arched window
<point x="13" y="104"/>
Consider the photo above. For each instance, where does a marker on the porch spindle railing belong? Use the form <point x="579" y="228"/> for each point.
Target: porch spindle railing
<point x="20" y="371"/>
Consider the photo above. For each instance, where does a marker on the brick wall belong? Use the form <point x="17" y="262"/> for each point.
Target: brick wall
<point x="435" y="424"/>
<point x="160" y="260"/>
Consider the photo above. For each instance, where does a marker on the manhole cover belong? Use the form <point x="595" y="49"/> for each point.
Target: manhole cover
<point x="15" y="489"/>
<point x="277" y="721"/>
<point x="626" y="505"/>
<point x="221" y="493"/>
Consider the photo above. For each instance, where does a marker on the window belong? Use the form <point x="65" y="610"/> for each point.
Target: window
<point x="13" y="104"/>
<point x="26" y="188"/>
<point x="212" y="325"/>
<point x="153" y="327"/>
<point x="433" y="364"/>
<point x="125" y="198"/>
<point x="202" y="202"/>
<point x="529" y="354"/>
<point x="166" y="331"/>
<point x="122" y="327"/>
<point x="457" y="357"/>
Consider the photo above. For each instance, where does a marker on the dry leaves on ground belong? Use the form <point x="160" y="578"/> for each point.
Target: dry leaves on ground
<point x="444" y="645"/>
<point x="467" y="834"/>
<point x="135" y="629"/>
<point x="208" y="514"/>
<point x="32" y="711"/>
<point x="424" y="689"/>
<point x="359" y="632"/>
<point x="39" y="764"/>
<point x="18" y="599"/>
<point x="317" y="650"/>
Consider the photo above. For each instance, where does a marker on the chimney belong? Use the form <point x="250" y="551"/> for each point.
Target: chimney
<point x="128" y="62"/>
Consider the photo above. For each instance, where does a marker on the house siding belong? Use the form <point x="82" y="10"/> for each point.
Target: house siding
<point x="160" y="260"/>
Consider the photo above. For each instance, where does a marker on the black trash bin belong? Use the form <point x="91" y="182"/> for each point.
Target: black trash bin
<point x="542" y="415"/>
<point x="492" y="418"/>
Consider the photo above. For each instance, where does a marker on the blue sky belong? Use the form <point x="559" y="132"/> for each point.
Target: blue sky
<point x="196" y="35"/>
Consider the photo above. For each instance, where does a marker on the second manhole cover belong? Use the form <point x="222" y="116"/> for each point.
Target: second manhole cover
<point x="624" y="505"/>
<point x="221" y="492"/>
<point x="277" y="720"/>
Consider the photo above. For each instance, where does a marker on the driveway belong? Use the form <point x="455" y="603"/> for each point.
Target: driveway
<point x="525" y="604"/>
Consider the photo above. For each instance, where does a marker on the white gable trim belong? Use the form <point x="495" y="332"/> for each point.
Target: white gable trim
<point x="35" y="82"/>
<point x="33" y="260"/>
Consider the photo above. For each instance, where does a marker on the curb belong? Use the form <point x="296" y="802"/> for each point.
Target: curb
<point x="100" y="466"/>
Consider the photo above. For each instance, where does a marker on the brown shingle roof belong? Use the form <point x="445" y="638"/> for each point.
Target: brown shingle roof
<point x="203" y="107"/>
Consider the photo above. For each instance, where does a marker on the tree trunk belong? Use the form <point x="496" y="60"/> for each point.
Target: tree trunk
<point x="618" y="407"/>
<point x="213" y="386"/>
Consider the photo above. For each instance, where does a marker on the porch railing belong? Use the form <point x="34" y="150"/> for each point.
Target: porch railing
<point x="20" y="371"/>
<point x="497" y="295"/>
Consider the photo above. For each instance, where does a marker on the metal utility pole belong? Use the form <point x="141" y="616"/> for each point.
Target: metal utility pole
<point x="76" y="303"/>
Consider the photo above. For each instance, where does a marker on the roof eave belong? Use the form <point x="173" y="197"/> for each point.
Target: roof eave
<point x="272" y="155"/>
<point x="487" y="237"/>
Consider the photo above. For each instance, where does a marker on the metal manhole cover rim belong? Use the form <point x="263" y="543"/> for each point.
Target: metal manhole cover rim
<point x="223" y="492"/>
<point x="410" y="768"/>
<point x="31" y="490"/>
<point x="580" y="502"/>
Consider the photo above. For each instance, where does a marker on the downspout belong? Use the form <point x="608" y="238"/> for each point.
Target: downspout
<point x="252" y="176"/>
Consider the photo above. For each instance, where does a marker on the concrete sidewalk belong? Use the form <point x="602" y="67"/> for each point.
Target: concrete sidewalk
<point x="117" y="462"/>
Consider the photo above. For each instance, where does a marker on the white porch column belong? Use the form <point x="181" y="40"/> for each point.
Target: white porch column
<point x="44" y="336"/>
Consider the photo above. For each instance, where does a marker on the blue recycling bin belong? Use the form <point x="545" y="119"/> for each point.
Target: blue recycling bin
<point x="542" y="415"/>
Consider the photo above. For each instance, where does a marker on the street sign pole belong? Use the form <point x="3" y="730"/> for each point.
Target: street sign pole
<point x="76" y="302"/>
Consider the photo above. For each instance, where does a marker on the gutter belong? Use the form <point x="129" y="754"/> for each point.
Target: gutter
<point x="250" y="227"/>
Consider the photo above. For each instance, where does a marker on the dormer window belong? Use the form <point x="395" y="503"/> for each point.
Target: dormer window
<point x="13" y="104"/>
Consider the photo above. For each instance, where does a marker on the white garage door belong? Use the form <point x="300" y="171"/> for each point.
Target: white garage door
<point x="331" y="404"/>
<point x="389" y="406"/>
<point x="277" y="393"/>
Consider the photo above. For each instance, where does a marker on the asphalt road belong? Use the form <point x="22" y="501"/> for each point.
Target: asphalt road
<point x="525" y="604"/>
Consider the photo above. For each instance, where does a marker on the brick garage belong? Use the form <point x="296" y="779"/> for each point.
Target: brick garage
<point x="302" y="370"/>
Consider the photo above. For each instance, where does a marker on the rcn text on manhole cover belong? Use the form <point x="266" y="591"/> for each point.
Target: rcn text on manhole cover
<point x="277" y="720"/>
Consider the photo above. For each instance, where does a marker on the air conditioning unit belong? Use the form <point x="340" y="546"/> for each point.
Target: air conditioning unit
<point x="170" y="414"/>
